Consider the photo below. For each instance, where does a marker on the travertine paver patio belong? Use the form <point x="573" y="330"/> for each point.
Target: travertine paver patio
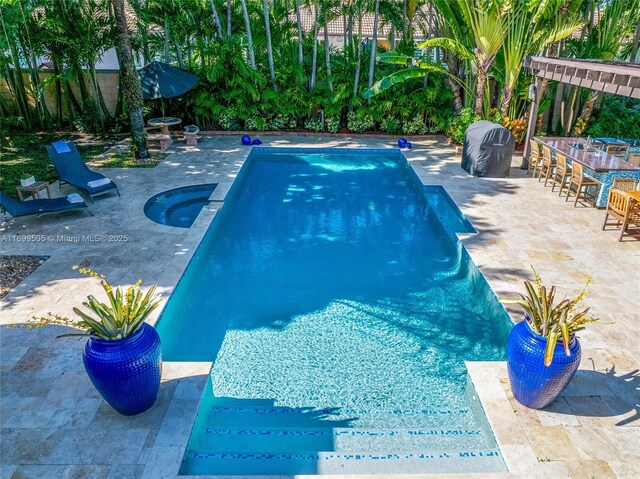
<point x="55" y="425"/>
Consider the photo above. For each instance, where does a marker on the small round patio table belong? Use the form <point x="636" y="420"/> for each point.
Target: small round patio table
<point x="164" y="123"/>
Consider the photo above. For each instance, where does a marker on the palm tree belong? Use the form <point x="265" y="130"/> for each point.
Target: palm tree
<point x="327" y="50"/>
<point x="299" y="23"/>
<point x="267" y="26"/>
<point x="247" y="25"/>
<point x="526" y="33"/>
<point x="130" y="81"/>
<point x="229" y="12"/>
<point x="216" y="18"/>
<point x="314" y="56"/>
<point x="476" y="35"/>
<point x="374" y="42"/>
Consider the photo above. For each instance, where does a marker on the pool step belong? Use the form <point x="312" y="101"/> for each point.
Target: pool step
<point x="286" y="440"/>
<point x="329" y="462"/>
<point x="265" y="417"/>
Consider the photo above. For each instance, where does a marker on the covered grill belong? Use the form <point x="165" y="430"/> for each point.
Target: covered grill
<point x="488" y="149"/>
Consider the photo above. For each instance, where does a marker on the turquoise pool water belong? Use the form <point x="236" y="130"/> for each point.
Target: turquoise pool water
<point x="339" y="310"/>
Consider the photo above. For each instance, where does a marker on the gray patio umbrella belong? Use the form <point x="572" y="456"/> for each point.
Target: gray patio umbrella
<point x="161" y="80"/>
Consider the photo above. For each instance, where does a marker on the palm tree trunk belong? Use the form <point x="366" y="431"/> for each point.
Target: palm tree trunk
<point x="247" y="25"/>
<point x="327" y="53"/>
<point x="299" y="21"/>
<point x="587" y="110"/>
<point x="178" y="53"/>
<point x="374" y="44"/>
<point x="314" y="59"/>
<point x="356" y="80"/>
<point x="507" y="94"/>
<point x="480" y="87"/>
<point x="167" y="56"/>
<point x="58" y="90"/>
<point x="636" y="43"/>
<point x="267" y="26"/>
<point x="216" y="18"/>
<point x="130" y="81"/>
<point x="405" y="32"/>
<point x="229" y="12"/>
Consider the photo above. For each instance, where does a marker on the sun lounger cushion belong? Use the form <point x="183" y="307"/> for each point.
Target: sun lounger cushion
<point x="61" y="147"/>
<point x="75" y="198"/>
<point x="100" y="182"/>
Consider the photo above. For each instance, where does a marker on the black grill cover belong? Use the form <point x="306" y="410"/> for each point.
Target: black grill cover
<point x="488" y="148"/>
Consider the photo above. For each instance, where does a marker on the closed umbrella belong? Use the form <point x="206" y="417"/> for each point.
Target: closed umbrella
<point x="161" y="80"/>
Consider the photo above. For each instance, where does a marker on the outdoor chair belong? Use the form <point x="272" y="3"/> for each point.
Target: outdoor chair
<point x="619" y="150"/>
<point x="71" y="169"/>
<point x="625" y="210"/>
<point x="548" y="165"/>
<point x="534" y="158"/>
<point x="562" y="173"/>
<point x="623" y="184"/>
<point x="40" y="206"/>
<point x="190" y="134"/>
<point x="582" y="184"/>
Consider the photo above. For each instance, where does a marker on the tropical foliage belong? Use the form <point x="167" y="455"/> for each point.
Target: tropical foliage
<point x="551" y="319"/>
<point x="276" y="64"/>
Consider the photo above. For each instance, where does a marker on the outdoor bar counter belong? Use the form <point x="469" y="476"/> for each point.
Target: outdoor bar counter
<point x="597" y="164"/>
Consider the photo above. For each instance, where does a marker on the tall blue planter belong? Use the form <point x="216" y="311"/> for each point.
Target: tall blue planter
<point x="532" y="383"/>
<point x="126" y="372"/>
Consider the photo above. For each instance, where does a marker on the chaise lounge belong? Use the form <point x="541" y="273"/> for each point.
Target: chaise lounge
<point x="71" y="169"/>
<point x="40" y="206"/>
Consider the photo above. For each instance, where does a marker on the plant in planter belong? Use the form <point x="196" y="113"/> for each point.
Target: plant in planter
<point x="543" y="352"/>
<point x="122" y="356"/>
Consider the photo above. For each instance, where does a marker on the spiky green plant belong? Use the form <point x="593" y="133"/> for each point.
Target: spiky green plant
<point x="120" y="318"/>
<point x="550" y="320"/>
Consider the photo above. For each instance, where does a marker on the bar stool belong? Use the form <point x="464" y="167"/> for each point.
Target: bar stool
<point x="534" y="158"/>
<point x="562" y="173"/>
<point x="548" y="164"/>
<point x="582" y="184"/>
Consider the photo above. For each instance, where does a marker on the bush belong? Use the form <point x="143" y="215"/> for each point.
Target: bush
<point x="229" y="122"/>
<point x="359" y="122"/>
<point x="460" y="124"/>
<point x="415" y="126"/>
<point x="255" y="123"/>
<point x="281" y="122"/>
<point x="313" y="124"/>
<point x="618" y="117"/>
<point x="332" y="123"/>
<point x="391" y="126"/>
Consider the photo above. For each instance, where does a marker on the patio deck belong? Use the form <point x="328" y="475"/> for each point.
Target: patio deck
<point x="55" y="425"/>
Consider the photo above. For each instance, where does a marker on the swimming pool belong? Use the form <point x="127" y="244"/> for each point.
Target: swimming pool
<point x="338" y="311"/>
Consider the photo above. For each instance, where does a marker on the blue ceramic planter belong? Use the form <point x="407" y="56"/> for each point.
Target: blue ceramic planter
<point x="534" y="384"/>
<point x="126" y="372"/>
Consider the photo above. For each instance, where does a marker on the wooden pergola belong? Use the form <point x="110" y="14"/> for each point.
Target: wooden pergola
<point x="620" y="78"/>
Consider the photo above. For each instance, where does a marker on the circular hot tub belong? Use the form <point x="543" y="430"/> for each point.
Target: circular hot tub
<point x="178" y="207"/>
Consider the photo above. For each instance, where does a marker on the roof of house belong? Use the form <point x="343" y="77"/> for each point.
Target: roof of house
<point x="336" y="26"/>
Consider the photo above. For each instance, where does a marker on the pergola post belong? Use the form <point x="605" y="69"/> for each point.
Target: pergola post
<point x="531" y="129"/>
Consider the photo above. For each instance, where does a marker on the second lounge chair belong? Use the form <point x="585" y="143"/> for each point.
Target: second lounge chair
<point x="71" y="169"/>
